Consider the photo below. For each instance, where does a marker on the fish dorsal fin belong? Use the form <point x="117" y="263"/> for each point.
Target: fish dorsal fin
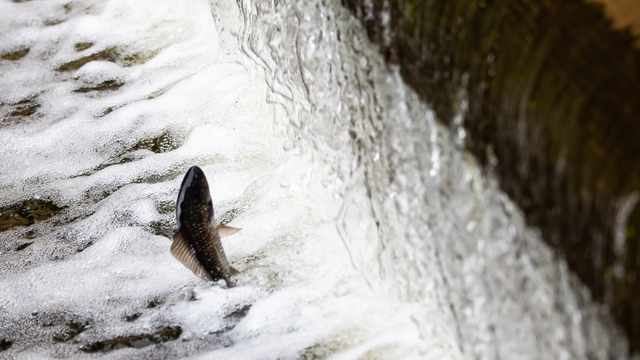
<point x="182" y="251"/>
<point x="224" y="230"/>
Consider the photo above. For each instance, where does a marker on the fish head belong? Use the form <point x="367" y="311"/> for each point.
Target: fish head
<point x="194" y="199"/>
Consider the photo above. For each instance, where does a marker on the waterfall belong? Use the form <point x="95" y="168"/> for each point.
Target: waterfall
<point x="368" y="231"/>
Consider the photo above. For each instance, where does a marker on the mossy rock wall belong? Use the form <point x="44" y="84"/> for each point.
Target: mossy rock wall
<point x="550" y="97"/>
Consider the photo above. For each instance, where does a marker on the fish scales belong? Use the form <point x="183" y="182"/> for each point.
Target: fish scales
<point x="205" y="241"/>
<point x="197" y="244"/>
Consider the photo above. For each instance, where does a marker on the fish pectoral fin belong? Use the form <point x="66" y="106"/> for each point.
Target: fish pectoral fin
<point x="224" y="230"/>
<point x="182" y="251"/>
<point x="233" y="271"/>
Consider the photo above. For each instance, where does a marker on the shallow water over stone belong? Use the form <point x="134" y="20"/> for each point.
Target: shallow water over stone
<point x="367" y="230"/>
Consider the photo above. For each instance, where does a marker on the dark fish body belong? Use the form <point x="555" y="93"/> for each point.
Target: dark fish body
<point x="197" y="243"/>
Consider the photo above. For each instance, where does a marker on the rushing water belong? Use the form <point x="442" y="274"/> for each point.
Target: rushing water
<point x="368" y="231"/>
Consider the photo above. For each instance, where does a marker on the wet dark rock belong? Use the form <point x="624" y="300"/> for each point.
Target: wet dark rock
<point x="23" y="246"/>
<point x="155" y="94"/>
<point x="53" y="22"/>
<point x="112" y="54"/>
<point x="132" y="317"/>
<point x="107" y="85"/>
<point x="553" y="97"/>
<point x="107" y="111"/>
<point x="84" y="246"/>
<point x="112" y="108"/>
<point x="15" y="55"/>
<point x="134" y="341"/>
<point x="239" y="314"/>
<point x="50" y="318"/>
<point x="163" y="229"/>
<point x="164" y="142"/>
<point x="228" y="216"/>
<point x="99" y="193"/>
<point x="233" y="319"/>
<point x="108" y="54"/>
<point x="71" y="330"/>
<point x="318" y="351"/>
<point x="5" y="344"/>
<point x="82" y="46"/>
<point x="20" y="111"/>
<point x="24" y="107"/>
<point x="26" y="213"/>
<point x="155" y="303"/>
<point x="166" y="207"/>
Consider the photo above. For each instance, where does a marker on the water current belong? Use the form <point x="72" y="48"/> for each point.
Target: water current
<point x="368" y="232"/>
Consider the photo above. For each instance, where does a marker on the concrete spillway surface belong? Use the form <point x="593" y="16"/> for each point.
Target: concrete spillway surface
<point x="366" y="231"/>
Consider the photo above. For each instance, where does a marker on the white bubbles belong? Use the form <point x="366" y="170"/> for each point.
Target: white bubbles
<point x="98" y="71"/>
<point x="129" y="96"/>
<point x="365" y="230"/>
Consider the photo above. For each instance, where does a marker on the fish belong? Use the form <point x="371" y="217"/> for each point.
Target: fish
<point x="197" y="242"/>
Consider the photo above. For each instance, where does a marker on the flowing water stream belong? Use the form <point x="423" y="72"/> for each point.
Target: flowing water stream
<point x="368" y="232"/>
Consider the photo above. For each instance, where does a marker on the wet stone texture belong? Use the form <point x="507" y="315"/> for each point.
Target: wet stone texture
<point x="114" y="84"/>
<point x="5" y="344"/>
<point x="15" y="55"/>
<point x="83" y="46"/>
<point x="25" y="214"/>
<point x="165" y="142"/>
<point x="549" y="95"/>
<point x="134" y="341"/>
<point x="19" y="111"/>
<point x="112" y="54"/>
<point x="71" y="330"/>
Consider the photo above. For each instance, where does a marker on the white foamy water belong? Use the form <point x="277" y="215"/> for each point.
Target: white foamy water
<point x="367" y="233"/>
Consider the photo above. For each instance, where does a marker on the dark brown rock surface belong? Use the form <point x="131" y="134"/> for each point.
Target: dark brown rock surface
<point x="549" y="93"/>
